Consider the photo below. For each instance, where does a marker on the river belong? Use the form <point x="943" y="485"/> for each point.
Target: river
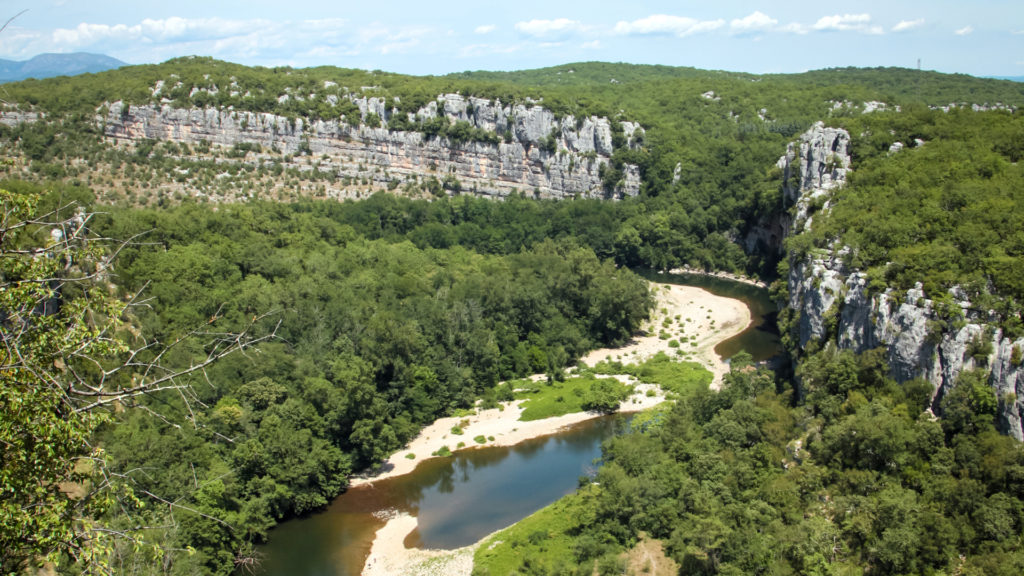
<point x="460" y="499"/>
<point x="456" y="501"/>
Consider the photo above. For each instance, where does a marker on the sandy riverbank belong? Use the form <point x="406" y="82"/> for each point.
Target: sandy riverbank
<point x="697" y="321"/>
<point x="389" y="556"/>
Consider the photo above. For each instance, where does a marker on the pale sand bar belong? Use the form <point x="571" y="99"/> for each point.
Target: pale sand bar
<point x="710" y="318"/>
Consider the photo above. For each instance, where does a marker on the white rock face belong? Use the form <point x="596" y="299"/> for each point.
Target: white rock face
<point x="12" y="117"/>
<point x="975" y="107"/>
<point x="907" y="325"/>
<point x="874" y="106"/>
<point x="811" y="168"/>
<point x="519" y="163"/>
<point x="824" y="290"/>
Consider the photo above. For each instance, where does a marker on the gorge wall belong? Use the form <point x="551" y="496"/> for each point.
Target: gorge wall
<point x="533" y="152"/>
<point x="832" y="301"/>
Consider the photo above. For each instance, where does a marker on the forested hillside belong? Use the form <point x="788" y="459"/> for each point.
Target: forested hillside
<point x="944" y="212"/>
<point x="374" y="339"/>
<point x="707" y="187"/>
<point x="412" y="298"/>
<point x="853" y="479"/>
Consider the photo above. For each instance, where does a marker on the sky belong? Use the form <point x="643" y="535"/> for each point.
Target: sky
<point x="979" y="37"/>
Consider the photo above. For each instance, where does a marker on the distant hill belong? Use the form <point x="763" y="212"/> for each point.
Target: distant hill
<point x="1010" y="78"/>
<point x="49" y="65"/>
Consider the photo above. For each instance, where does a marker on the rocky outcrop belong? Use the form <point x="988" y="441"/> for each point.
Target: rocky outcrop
<point x="832" y="301"/>
<point x="811" y="168"/>
<point x="533" y="151"/>
<point x="12" y="117"/>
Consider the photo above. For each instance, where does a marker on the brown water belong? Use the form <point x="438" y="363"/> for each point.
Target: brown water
<point x="456" y="501"/>
<point x="460" y="499"/>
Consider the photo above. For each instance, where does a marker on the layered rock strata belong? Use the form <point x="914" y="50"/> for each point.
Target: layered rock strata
<point x="534" y="152"/>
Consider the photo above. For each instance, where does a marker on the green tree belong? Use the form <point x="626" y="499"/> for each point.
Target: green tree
<point x="67" y="356"/>
<point x="971" y="405"/>
<point x="604" y="396"/>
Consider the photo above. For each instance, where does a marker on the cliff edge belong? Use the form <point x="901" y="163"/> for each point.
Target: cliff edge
<point x="488" y="148"/>
<point x="924" y="336"/>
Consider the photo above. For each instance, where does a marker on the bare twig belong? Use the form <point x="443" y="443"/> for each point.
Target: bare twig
<point x="12" y="19"/>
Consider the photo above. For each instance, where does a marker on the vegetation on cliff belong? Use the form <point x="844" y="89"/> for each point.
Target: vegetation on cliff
<point x="945" y="210"/>
<point x="394" y="311"/>
<point x="705" y="162"/>
<point x="749" y="480"/>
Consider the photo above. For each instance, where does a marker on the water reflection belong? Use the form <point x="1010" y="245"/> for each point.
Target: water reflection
<point x="456" y="501"/>
<point x="459" y="500"/>
<point x="761" y="338"/>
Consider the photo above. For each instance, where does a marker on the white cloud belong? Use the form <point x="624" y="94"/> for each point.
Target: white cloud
<point x="964" y="31"/>
<point x="549" y="28"/>
<point x="485" y="29"/>
<point x="666" y="24"/>
<point x="755" y="21"/>
<point x="85" y="34"/>
<point x="325" y="23"/>
<point x="302" y="42"/>
<point x="794" y="28"/>
<point x="171" y="29"/>
<point x="905" y="25"/>
<point x="21" y="44"/>
<point x="384" y="40"/>
<point x="592" y="45"/>
<point x="844" y="22"/>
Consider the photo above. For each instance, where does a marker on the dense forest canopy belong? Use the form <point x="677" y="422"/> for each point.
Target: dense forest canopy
<point x="393" y="310"/>
<point x="375" y="339"/>
<point x="705" y="162"/>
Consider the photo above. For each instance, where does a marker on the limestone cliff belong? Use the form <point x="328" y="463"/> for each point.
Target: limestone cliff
<point x="532" y="151"/>
<point x="832" y="300"/>
<point x="811" y="167"/>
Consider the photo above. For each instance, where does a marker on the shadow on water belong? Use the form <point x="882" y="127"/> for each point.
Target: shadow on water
<point x="761" y="338"/>
<point x="460" y="499"/>
<point x="456" y="500"/>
